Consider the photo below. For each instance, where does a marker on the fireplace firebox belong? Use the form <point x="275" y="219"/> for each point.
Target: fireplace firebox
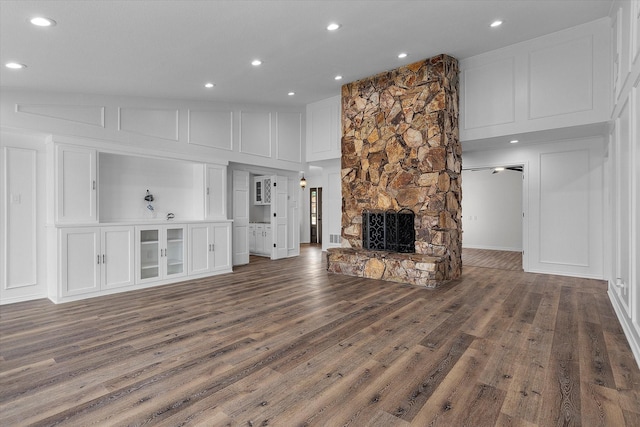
<point x="389" y="230"/>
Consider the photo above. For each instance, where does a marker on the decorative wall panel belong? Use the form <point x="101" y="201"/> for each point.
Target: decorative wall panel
<point x="564" y="208"/>
<point x="566" y="69"/>
<point x="289" y="136"/>
<point x="20" y="224"/>
<point x="255" y="133"/>
<point x="489" y="94"/>
<point x="211" y="129"/>
<point x="85" y="114"/>
<point x="157" y="123"/>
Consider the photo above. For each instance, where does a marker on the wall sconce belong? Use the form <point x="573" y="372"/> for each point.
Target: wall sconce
<point x="303" y="182"/>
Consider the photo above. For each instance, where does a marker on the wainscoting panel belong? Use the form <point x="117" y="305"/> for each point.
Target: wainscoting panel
<point x="566" y="69"/>
<point x="255" y="133"/>
<point x="158" y="123"/>
<point x="211" y="128"/>
<point x="86" y="114"/>
<point x="489" y="94"/>
<point x="289" y="136"/>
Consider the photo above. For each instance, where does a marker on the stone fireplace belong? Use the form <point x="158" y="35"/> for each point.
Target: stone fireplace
<point x="401" y="151"/>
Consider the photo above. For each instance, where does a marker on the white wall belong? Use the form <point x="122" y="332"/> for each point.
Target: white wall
<point x="623" y="172"/>
<point x="563" y="199"/>
<point x="264" y="135"/>
<point x="554" y="81"/>
<point x="492" y="209"/>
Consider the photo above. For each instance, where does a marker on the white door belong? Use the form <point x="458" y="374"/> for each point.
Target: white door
<point x="117" y="256"/>
<point x="79" y="260"/>
<point x="240" y="217"/>
<point x="200" y="245"/>
<point x="279" y="213"/>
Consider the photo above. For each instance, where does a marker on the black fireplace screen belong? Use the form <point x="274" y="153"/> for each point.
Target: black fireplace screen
<point x="389" y="231"/>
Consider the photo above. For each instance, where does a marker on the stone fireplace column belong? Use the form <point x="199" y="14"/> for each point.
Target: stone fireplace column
<point x="400" y="149"/>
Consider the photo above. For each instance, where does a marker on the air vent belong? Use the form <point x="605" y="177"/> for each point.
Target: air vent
<point x="334" y="238"/>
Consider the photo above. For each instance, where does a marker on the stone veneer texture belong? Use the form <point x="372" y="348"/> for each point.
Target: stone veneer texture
<point x="400" y="149"/>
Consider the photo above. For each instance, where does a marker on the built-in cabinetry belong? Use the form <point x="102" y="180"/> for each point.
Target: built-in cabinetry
<point x="94" y="259"/>
<point x="262" y="190"/>
<point x="209" y="247"/>
<point x="105" y="237"/>
<point x="160" y="252"/>
<point x="260" y="239"/>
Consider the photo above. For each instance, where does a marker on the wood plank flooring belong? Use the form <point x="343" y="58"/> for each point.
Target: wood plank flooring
<point x="284" y="343"/>
<point x="503" y="260"/>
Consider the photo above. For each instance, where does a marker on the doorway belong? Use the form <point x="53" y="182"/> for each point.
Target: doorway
<point x="493" y="220"/>
<point x="315" y="203"/>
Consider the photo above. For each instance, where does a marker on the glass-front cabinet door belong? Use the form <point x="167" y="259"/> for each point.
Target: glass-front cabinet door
<point x="160" y="252"/>
<point x="174" y="252"/>
<point x="149" y="254"/>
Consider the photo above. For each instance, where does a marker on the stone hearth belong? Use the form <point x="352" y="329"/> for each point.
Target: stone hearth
<point x="400" y="149"/>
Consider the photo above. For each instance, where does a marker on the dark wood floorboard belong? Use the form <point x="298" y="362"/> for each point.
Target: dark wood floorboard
<point x="284" y="343"/>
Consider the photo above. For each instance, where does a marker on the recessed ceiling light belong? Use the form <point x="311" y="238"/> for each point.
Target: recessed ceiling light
<point x="337" y="78"/>
<point x="496" y="23"/>
<point x="209" y="85"/>
<point x="333" y="26"/>
<point x="41" y="21"/>
<point x="499" y="169"/>
<point x="402" y="55"/>
<point x="256" y="62"/>
<point x="514" y="141"/>
<point x="291" y="93"/>
<point x="15" y="65"/>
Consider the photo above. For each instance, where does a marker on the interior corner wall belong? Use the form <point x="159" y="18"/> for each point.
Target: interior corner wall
<point x="492" y="210"/>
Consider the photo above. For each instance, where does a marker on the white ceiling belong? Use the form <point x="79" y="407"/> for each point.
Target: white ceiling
<point x="169" y="49"/>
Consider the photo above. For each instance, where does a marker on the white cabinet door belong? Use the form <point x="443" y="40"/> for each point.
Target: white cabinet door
<point x="175" y="249"/>
<point x="160" y="252"/>
<point x="209" y="247"/>
<point x="148" y="245"/>
<point x="79" y="261"/>
<point x="252" y="238"/>
<point x="216" y="192"/>
<point x="268" y="240"/>
<point x="117" y="259"/>
<point x="76" y="185"/>
<point x="199" y="248"/>
<point x="221" y="253"/>
<point x="262" y="190"/>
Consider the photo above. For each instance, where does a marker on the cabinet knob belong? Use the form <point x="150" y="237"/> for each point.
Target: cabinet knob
<point x="98" y="256"/>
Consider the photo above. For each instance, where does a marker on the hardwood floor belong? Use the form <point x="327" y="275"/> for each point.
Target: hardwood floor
<point x="503" y="260"/>
<point x="284" y="343"/>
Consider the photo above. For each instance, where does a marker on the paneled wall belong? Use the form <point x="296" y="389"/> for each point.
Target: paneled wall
<point x="269" y="136"/>
<point x="623" y="171"/>
<point x="554" y="81"/>
<point x="323" y="129"/>
<point x="22" y="258"/>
